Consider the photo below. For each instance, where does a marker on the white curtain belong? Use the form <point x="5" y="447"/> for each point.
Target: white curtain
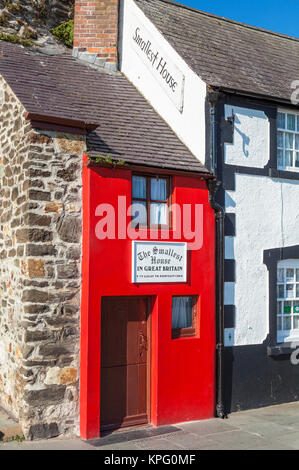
<point x="181" y="316"/>
<point x="138" y="213"/>
<point x="158" y="189"/>
<point x="289" y="140"/>
<point x="139" y="187"/>
<point x="158" y="213"/>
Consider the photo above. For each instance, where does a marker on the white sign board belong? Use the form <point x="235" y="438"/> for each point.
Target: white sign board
<point x="162" y="68"/>
<point x="159" y="262"/>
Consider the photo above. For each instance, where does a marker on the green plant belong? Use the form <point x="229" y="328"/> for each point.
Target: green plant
<point x="19" y="438"/>
<point x="13" y="7"/>
<point x="15" y="39"/>
<point x="65" y="32"/>
<point x="106" y="159"/>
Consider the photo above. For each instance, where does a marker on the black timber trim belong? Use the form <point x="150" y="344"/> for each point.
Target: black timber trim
<point x="229" y="316"/>
<point x="271" y="258"/>
<point x="229" y="270"/>
<point x="226" y="172"/>
<point x="230" y="224"/>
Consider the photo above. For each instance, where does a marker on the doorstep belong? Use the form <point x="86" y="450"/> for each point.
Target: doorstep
<point x="132" y="434"/>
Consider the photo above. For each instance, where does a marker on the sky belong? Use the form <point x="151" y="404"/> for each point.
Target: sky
<point x="275" y="15"/>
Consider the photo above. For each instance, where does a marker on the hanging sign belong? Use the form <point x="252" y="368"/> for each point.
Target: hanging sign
<point x="159" y="262"/>
<point x="159" y="64"/>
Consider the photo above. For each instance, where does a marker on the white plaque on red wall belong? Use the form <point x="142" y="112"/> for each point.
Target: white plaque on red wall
<point x="159" y="262"/>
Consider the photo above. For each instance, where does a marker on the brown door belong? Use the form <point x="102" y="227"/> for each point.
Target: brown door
<point x="124" y="362"/>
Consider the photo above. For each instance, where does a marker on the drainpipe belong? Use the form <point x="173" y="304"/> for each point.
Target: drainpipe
<point x="213" y="186"/>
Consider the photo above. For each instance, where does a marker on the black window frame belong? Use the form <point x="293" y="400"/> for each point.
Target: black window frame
<point x="271" y="259"/>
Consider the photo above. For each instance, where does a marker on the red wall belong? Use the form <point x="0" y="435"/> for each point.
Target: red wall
<point x="182" y="370"/>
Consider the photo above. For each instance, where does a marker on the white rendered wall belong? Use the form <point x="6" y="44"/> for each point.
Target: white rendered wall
<point x="188" y="123"/>
<point x="267" y="216"/>
<point x="251" y="138"/>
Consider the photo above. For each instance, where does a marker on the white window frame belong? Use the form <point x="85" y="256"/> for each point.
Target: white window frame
<point x="283" y="148"/>
<point x="287" y="335"/>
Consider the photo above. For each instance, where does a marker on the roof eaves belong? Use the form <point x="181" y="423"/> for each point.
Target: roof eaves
<point x="50" y="122"/>
<point x="259" y="96"/>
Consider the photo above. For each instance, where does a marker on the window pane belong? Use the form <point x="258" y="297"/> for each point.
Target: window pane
<point x="158" y="189"/>
<point x="287" y="307"/>
<point x="280" y="292"/>
<point x="288" y="299"/>
<point x="158" y="213"/>
<point x="297" y="122"/>
<point x="181" y="315"/>
<point x="289" y="158"/>
<point x="281" y="120"/>
<point x="289" y="141"/>
<point x="280" y="275"/>
<point x="139" y="215"/>
<point x="139" y="187"/>
<point x="280" y="139"/>
<point x="291" y="122"/>
<point x="280" y="157"/>
<point x="297" y="160"/>
<point x="287" y="323"/>
<point x="297" y="142"/>
<point x="290" y="291"/>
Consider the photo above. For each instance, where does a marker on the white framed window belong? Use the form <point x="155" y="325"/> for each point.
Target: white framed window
<point x="288" y="140"/>
<point x="287" y="301"/>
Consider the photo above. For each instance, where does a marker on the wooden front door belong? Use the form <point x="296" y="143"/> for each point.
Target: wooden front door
<point x="124" y="362"/>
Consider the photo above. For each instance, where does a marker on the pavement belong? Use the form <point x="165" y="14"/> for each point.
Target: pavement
<point x="271" y="428"/>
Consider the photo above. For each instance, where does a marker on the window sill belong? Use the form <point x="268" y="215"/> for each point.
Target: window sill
<point x="282" y="349"/>
<point x="183" y="333"/>
<point x="290" y="169"/>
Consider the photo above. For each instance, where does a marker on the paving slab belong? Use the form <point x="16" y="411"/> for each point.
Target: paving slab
<point x="289" y="440"/>
<point x="272" y="428"/>
<point x="208" y="426"/>
<point x="237" y="440"/>
<point x="266" y="429"/>
<point x="191" y="441"/>
<point x="158" y="444"/>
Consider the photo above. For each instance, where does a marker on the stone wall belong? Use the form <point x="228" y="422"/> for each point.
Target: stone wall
<point x="40" y="272"/>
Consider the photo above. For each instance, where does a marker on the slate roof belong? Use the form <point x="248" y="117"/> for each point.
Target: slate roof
<point x="225" y="53"/>
<point x="128" y="128"/>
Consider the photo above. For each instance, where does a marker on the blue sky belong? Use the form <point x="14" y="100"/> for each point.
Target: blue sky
<point x="276" y="15"/>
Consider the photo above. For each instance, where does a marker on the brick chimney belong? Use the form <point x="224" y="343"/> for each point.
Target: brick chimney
<point x="96" y="32"/>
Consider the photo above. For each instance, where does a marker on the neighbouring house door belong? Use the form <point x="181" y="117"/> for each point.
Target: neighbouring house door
<point x="124" y="362"/>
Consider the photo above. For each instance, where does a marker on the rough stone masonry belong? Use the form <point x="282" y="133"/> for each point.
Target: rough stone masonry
<point x="40" y="272"/>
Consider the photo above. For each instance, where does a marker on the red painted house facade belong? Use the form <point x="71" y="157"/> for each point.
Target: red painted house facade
<point x="134" y="369"/>
<point x="147" y="352"/>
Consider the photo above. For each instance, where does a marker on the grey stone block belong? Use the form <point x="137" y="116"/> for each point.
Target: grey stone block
<point x="43" y="431"/>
